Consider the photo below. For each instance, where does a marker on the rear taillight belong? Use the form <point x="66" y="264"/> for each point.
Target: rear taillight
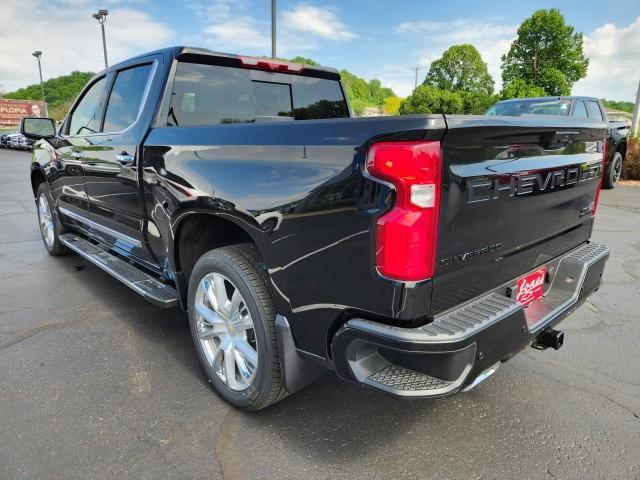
<point x="604" y="162"/>
<point x="271" y="65"/>
<point x="406" y="236"/>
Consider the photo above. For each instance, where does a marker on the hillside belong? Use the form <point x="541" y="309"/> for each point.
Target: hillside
<point x="59" y="92"/>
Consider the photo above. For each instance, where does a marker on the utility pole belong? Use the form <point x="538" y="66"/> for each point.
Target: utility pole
<point x="101" y="16"/>
<point x="273" y="28"/>
<point x="38" y="54"/>
<point x="636" y="114"/>
<point x="416" y="68"/>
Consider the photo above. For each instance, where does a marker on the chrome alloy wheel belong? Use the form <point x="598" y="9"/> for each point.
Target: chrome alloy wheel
<point x="617" y="169"/>
<point x="226" y="331"/>
<point x="46" y="220"/>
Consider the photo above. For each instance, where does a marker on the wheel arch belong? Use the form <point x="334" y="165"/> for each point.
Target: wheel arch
<point x="208" y="230"/>
<point x="37" y="178"/>
<point x="622" y="148"/>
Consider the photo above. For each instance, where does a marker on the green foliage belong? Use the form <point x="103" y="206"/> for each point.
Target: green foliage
<point x="59" y="92"/>
<point x="520" y="88"/>
<point x="631" y="164"/>
<point x="392" y="105"/>
<point x="459" y="77"/>
<point x="615" y="105"/>
<point x="362" y="93"/>
<point x="358" y="105"/>
<point x="461" y="69"/>
<point x="429" y="99"/>
<point x="476" y="103"/>
<point x="547" y="53"/>
<point x="303" y="60"/>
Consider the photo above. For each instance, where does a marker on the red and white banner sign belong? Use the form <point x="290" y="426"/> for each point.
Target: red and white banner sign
<point x="12" y="111"/>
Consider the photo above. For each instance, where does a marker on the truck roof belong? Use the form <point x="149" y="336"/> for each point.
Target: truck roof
<point x="187" y="53"/>
<point x="566" y="97"/>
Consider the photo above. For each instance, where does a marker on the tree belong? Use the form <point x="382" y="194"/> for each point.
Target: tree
<point x="430" y="99"/>
<point x="304" y="61"/>
<point x="461" y="70"/>
<point x="519" y="88"/>
<point x="362" y="93"/>
<point x="547" y="53"/>
<point x="618" y="105"/>
<point x="59" y="92"/>
<point x="391" y="105"/>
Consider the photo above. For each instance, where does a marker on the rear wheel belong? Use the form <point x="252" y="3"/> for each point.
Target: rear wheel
<point x="614" y="170"/>
<point x="232" y="320"/>
<point x="50" y="226"/>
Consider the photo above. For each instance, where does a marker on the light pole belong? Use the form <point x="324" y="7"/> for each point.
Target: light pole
<point x="38" y="54"/>
<point x="101" y="16"/>
<point x="273" y="28"/>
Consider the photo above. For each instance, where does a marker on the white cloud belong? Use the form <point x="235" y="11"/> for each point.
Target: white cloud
<point x="321" y="22"/>
<point x="614" y="62"/>
<point x="231" y="27"/>
<point x="235" y="35"/>
<point x="69" y="42"/>
<point x="491" y="38"/>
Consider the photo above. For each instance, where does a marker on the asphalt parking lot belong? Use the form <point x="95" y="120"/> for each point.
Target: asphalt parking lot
<point x="97" y="383"/>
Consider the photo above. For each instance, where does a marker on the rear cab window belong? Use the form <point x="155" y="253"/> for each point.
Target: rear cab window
<point x="579" y="109"/>
<point x="205" y="94"/>
<point x="594" y="110"/>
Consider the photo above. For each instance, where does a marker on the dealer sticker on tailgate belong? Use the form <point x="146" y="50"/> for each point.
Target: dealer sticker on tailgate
<point x="530" y="287"/>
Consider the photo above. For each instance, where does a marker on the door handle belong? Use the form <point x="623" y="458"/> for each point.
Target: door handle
<point x="124" y="158"/>
<point x="77" y="154"/>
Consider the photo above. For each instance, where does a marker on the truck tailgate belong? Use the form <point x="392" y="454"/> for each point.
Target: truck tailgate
<point x="516" y="192"/>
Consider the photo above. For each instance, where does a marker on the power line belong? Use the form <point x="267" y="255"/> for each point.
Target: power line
<point x="417" y="68"/>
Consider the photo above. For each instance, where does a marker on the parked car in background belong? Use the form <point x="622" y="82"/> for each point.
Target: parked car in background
<point x="6" y="137"/>
<point x="15" y="141"/>
<point x="26" y="144"/>
<point x="411" y="254"/>
<point x="578" y="107"/>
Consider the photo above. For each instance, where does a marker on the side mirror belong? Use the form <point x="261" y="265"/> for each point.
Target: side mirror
<point x="36" y="128"/>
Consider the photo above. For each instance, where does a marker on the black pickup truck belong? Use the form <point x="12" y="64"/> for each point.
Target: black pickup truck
<point x="409" y="254"/>
<point x="581" y="107"/>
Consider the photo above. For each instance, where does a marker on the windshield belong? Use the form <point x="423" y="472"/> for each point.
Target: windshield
<point x="531" y="107"/>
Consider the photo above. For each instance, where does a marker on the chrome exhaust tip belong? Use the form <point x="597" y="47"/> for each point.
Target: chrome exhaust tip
<point x="483" y="376"/>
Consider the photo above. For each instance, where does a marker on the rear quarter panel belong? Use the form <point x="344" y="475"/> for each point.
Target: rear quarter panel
<point x="295" y="187"/>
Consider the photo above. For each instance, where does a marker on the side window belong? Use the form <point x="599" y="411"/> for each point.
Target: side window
<point x="594" y="110"/>
<point x="85" y="119"/>
<point x="580" y="110"/>
<point x="125" y="98"/>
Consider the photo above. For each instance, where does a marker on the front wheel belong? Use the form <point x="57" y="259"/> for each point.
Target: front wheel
<point x="50" y="226"/>
<point x="614" y="170"/>
<point x="232" y="320"/>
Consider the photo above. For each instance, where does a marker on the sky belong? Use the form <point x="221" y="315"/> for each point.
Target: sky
<point x="371" y="38"/>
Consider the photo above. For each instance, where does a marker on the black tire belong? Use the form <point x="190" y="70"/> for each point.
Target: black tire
<point x="242" y="265"/>
<point x="612" y="174"/>
<point x="55" y="247"/>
